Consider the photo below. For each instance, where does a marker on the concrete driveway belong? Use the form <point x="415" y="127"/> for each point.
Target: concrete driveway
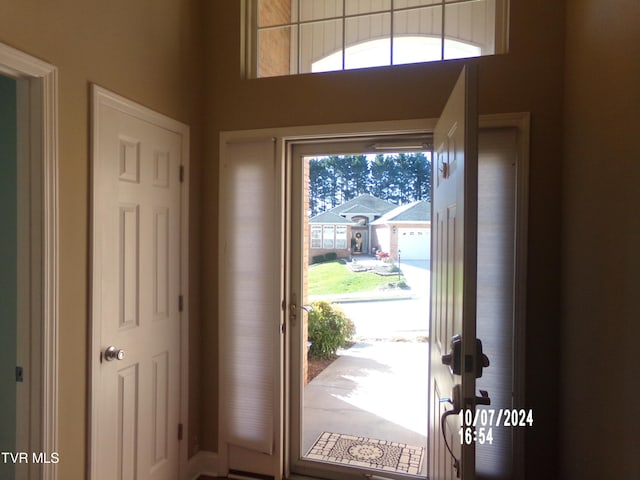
<point x="418" y="276"/>
<point x="390" y="320"/>
<point x="400" y="319"/>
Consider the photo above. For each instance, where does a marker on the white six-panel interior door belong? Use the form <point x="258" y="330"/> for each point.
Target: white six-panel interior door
<point x="138" y="283"/>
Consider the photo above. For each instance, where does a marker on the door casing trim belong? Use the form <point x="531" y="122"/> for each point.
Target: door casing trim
<point x="40" y="80"/>
<point x="284" y="136"/>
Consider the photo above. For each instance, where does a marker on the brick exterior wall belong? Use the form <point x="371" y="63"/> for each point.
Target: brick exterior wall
<point x="274" y="46"/>
<point x="342" y="253"/>
<point x="375" y="238"/>
<point x="274" y="12"/>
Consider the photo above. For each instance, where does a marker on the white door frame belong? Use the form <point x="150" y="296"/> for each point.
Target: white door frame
<point x="38" y="147"/>
<point x="319" y="133"/>
<point x="100" y="94"/>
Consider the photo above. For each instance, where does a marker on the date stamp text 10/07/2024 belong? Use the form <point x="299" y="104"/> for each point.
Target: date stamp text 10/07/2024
<point x="476" y="426"/>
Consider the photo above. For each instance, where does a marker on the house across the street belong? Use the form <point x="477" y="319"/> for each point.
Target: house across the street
<point x="405" y="231"/>
<point x="366" y="225"/>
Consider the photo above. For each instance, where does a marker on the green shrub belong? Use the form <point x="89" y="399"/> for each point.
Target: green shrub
<point x="318" y="259"/>
<point x="331" y="256"/>
<point x="329" y="329"/>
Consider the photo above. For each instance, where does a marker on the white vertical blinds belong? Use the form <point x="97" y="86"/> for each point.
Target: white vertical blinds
<point x="497" y="169"/>
<point x="250" y="295"/>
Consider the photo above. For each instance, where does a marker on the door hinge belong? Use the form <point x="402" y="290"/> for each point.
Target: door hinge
<point x="180" y="303"/>
<point x="180" y="431"/>
<point x="19" y="374"/>
<point x="181" y="173"/>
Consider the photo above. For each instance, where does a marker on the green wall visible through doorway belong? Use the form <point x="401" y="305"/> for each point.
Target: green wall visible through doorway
<point x="8" y="270"/>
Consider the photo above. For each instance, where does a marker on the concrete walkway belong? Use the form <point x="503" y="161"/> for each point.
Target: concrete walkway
<point x="374" y="389"/>
<point x="378" y="388"/>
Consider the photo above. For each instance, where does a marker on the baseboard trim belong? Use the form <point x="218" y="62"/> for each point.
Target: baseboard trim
<point x="203" y="463"/>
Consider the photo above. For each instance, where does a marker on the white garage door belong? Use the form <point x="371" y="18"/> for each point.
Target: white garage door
<point x="414" y="243"/>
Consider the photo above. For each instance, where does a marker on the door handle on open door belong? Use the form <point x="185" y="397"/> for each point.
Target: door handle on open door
<point x="471" y="363"/>
<point x="113" y="353"/>
<point x="483" y="399"/>
<point x="482" y="361"/>
<point x="453" y="359"/>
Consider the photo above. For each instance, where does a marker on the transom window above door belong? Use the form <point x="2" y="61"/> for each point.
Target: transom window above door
<point x="288" y="37"/>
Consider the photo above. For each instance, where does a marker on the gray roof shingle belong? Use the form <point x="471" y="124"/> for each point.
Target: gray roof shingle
<point x="365" y="204"/>
<point x="419" y="211"/>
<point x="330" y="218"/>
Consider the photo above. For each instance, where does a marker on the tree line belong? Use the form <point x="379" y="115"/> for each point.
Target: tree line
<point x="399" y="178"/>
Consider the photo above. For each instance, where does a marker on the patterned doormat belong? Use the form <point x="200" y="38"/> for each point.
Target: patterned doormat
<point x="366" y="452"/>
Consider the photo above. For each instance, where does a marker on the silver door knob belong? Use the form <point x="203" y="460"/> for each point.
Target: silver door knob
<point x="113" y="353"/>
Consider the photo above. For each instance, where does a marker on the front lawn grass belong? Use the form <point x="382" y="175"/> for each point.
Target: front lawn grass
<point x="335" y="277"/>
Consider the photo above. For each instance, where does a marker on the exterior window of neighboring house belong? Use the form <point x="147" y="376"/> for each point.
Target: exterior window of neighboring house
<point x="286" y="37"/>
<point x="316" y="236"/>
<point x="341" y="237"/>
<point x="328" y="236"/>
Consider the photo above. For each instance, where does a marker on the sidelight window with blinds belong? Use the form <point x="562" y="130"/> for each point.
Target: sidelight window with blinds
<point x="250" y="293"/>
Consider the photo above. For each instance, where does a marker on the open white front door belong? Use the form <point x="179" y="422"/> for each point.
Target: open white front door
<point x="137" y="282"/>
<point x="453" y="298"/>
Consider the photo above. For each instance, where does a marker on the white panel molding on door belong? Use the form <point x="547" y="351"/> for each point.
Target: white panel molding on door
<point x="139" y="339"/>
<point x="454" y="267"/>
<point x="37" y="83"/>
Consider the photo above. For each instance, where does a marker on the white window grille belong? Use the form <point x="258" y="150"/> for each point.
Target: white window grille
<point x="341" y="237"/>
<point x="328" y="236"/>
<point x="316" y="236"/>
<point x="302" y="36"/>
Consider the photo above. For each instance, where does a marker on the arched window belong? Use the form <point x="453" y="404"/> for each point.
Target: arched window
<point x="287" y="37"/>
<point x="411" y="49"/>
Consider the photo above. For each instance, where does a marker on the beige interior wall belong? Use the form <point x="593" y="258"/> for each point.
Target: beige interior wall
<point x="151" y="51"/>
<point x="529" y="78"/>
<point x="147" y="50"/>
<point x="601" y="254"/>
